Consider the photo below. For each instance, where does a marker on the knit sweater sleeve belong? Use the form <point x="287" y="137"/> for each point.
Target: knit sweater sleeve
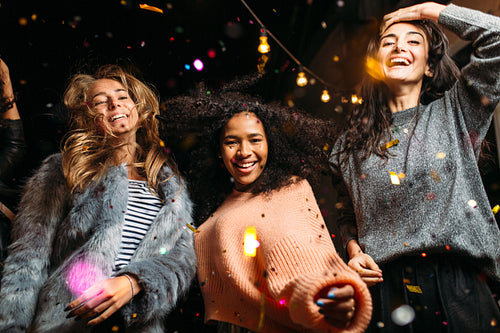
<point x="477" y="92"/>
<point x="44" y="203"/>
<point x="305" y="262"/>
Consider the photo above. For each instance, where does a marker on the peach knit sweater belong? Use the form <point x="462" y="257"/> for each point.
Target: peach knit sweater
<point x="276" y="290"/>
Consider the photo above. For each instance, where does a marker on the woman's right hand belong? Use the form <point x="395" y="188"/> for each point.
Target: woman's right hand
<point x="367" y="269"/>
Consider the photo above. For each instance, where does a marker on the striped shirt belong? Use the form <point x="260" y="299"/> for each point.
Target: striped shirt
<point x="142" y="208"/>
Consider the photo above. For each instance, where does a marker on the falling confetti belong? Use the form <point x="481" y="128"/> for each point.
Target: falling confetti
<point x="472" y="203"/>
<point x="251" y="243"/>
<point x="389" y="144"/>
<point x="414" y="289"/>
<point x="495" y="209"/>
<point x="440" y="155"/>
<point x="262" y="311"/>
<point x="150" y="8"/>
<point x="394" y="178"/>
<point x="193" y="229"/>
<point x="403" y="315"/>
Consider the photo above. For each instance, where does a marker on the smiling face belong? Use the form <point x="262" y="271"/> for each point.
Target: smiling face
<point x="243" y="148"/>
<point x="403" y="54"/>
<point x="111" y="100"/>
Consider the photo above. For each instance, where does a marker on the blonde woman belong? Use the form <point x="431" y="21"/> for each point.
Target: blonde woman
<point x="100" y="239"/>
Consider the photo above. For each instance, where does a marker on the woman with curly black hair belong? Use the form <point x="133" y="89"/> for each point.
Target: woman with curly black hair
<point x="415" y="218"/>
<point x="266" y="261"/>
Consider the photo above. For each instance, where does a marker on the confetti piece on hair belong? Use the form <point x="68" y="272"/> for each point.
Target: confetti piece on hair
<point x="414" y="289"/>
<point x="251" y="243"/>
<point x="394" y="178"/>
<point x="406" y="281"/>
<point x="115" y="328"/>
<point x="423" y="254"/>
<point x="262" y="311"/>
<point x="495" y="209"/>
<point x="193" y="229"/>
<point x="389" y="144"/>
<point x="493" y="322"/>
<point x="150" y="8"/>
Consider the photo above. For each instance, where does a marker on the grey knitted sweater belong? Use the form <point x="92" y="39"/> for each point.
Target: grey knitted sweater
<point x="440" y="205"/>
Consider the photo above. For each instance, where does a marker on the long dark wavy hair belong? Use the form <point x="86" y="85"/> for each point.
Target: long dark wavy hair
<point x="369" y="123"/>
<point x="298" y="143"/>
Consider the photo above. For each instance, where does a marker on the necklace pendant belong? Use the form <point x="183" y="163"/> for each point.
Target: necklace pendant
<point x="405" y="130"/>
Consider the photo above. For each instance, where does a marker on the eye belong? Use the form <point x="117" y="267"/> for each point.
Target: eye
<point x="414" y="42"/>
<point x="387" y="43"/>
<point x="230" y="142"/>
<point x="123" y="97"/>
<point x="96" y="103"/>
<point x="256" y="140"/>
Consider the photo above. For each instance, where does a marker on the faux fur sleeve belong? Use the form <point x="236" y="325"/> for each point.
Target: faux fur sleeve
<point x="43" y="205"/>
<point x="167" y="274"/>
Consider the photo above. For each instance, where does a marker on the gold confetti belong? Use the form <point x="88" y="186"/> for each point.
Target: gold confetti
<point x="495" y="209"/>
<point x="115" y="328"/>
<point x="262" y="312"/>
<point x="150" y="8"/>
<point x="406" y="281"/>
<point x="193" y="229"/>
<point x="251" y="243"/>
<point x="435" y="176"/>
<point x="414" y="289"/>
<point x="394" y="178"/>
<point x="389" y="144"/>
<point x="440" y="155"/>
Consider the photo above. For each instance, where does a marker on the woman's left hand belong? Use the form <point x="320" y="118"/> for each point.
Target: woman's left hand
<point x="103" y="299"/>
<point x="338" y="305"/>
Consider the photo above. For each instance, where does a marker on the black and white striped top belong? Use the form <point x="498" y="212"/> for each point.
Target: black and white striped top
<point x="142" y="208"/>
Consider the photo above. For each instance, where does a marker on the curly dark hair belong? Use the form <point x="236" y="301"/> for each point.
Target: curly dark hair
<point x="369" y="123"/>
<point x="298" y="143"/>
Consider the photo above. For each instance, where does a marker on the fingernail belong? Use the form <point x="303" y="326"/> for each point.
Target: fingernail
<point x="67" y="308"/>
<point x="69" y="315"/>
<point x="331" y="295"/>
<point x="320" y="303"/>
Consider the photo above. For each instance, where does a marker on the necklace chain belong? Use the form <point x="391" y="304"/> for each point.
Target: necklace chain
<point x="405" y="128"/>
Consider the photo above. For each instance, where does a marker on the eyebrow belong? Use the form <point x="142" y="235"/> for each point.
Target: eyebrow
<point x="407" y="33"/>
<point x="103" y="93"/>
<point x="251" y="135"/>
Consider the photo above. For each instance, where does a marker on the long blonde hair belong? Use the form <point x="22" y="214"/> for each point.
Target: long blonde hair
<point x="89" y="152"/>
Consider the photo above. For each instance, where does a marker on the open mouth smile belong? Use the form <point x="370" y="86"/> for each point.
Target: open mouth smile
<point x="117" y="117"/>
<point x="398" y="62"/>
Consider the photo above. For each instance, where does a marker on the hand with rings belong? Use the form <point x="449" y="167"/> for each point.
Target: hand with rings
<point x="338" y="305"/>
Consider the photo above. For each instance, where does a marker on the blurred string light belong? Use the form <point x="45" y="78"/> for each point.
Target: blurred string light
<point x="301" y="77"/>
<point x="264" y="45"/>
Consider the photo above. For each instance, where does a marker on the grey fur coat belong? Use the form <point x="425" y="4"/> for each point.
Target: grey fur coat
<point x="55" y="231"/>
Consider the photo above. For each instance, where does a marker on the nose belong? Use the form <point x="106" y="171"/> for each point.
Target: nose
<point x="113" y="103"/>
<point x="399" y="46"/>
<point x="244" y="150"/>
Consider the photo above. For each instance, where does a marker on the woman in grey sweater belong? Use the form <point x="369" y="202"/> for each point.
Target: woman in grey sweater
<point x="100" y="239"/>
<point x="414" y="215"/>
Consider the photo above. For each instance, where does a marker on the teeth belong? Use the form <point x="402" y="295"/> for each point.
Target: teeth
<point x="246" y="165"/>
<point x="400" y="61"/>
<point x="118" y="116"/>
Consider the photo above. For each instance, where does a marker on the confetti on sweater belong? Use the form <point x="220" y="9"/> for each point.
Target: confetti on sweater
<point x="251" y="243"/>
